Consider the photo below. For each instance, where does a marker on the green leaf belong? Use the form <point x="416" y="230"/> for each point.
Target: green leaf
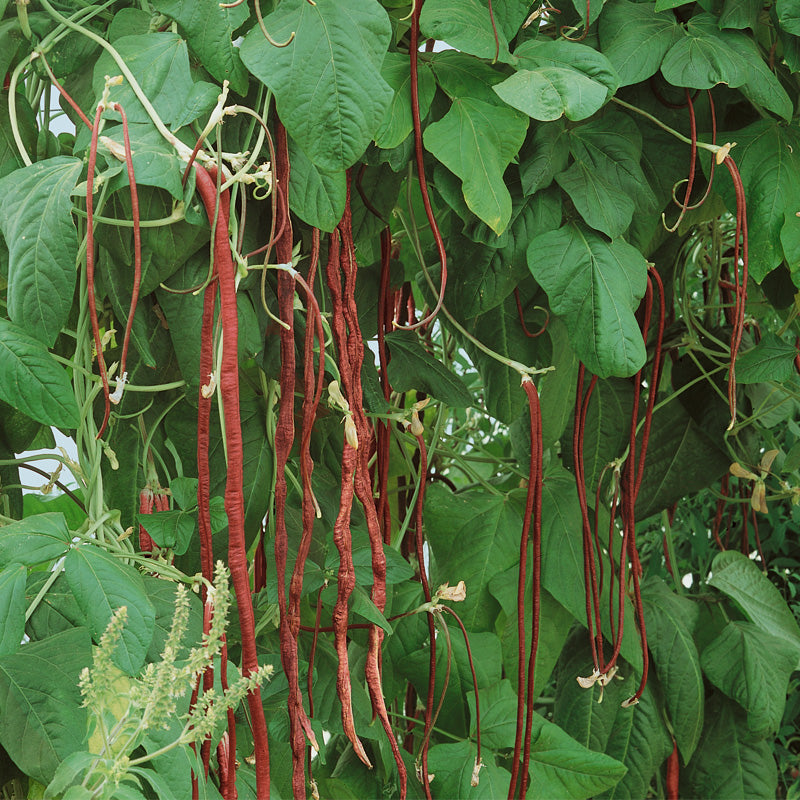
<point x="172" y="529"/>
<point x="487" y="660"/>
<point x="596" y="286"/>
<point x="57" y="610"/>
<point x="34" y="540"/>
<point x="561" y="767"/>
<point x="558" y="77"/>
<point x="548" y="92"/>
<point x="102" y="584"/>
<point x="555" y="624"/>
<point x="704" y="57"/>
<point x="10" y="159"/>
<point x="473" y="536"/>
<point x="208" y="27"/>
<point x="316" y="196"/>
<point x="362" y="605"/>
<point x="738" y="577"/>
<point x="788" y="16"/>
<point x="40" y="702"/>
<point x="327" y="82"/>
<point x="398" y="123"/>
<point x="501" y="328"/>
<point x="463" y="76"/>
<point x="36" y="221"/>
<point x="606" y="182"/>
<point x="412" y="367"/>
<point x="641" y="742"/>
<point x="465" y="25"/>
<point x="12" y="608"/>
<point x="160" y="63"/>
<point x="607" y="431"/>
<point x="477" y="141"/>
<point x="772" y="359"/>
<point x="155" y="163"/>
<point x="562" y="559"/>
<point x="557" y="388"/>
<point x="452" y="764"/>
<point x="670" y="621"/>
<point x="681" y="460"/>
<point x="740" y="14"/>
<point x="728" y="764"/>
<point x="498" y="715"/>
<point x="635" y="38"/>
<point x="58" y="503"/>
<point x="753" y="668"/>
<point x="768" y="157"/>
<point x="543" y="156"/>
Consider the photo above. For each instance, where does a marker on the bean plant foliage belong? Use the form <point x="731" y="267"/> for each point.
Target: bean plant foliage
<point x="463" y="334"/>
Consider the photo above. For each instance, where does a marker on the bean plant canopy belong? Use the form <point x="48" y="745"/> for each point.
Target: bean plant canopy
<point x="460" y="339"/>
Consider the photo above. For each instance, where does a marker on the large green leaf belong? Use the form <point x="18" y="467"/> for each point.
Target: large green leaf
<point x="477" y="141"/>
<point x="670" y="621"/>
<point x="34" y="540"/>
<point x="40" y="702"/>
<point x="102" y="584"/>
<point x="768" y="156"/>
<point x="564" y="768"/>
<point x="463" y="76"/>
<point x="545" y="93"/>
<point x="562" y="560"/>
<point x="12" y="608"/>
<point x="36" y="221"/>
<point x="640" y="741"/>
<point x="10" y="159"/>
<point x="486" y="658"/>
<point x="155" y="163"/>
<point x="554" y="627"/>
<point x="728" y="764"/>
<point x="487" y="275"/>
<point x="738" y="577"/>
<point x="467" y="26"/>
<point x="607" y="430"/>
<point x="606" y="182"/>
<point x="327" y="83"/>
<point x="473" y="536"/>
<point x="635" y="38"/>
<point x="544" y="154"/>
<point x="558" y="77"/>
<point x="412" y="367"/>
<point x="753" y="668"/>
<point x="316" y="196"/>
<point x="681" y="459"/>
<point x="451" y="766"/>
<point x="788" y="16"/>
<point x="772" y="359"/>
<point x="596" y="286"/>
<point x="208" y="26"/>
<point x="160" y="64"/>
<point x="704" y="57"/>
<point x="398" y="122"/>
<point x="33" y="381"/>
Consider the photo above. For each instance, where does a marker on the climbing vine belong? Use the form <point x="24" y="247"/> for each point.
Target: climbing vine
<point x="460" y="338"/>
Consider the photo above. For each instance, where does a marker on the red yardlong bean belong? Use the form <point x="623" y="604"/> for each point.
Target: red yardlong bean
<point x="234" y="501"/>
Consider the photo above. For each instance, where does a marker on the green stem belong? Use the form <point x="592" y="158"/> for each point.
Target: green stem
<point x="46" y="586"/>
<point x="712" y="148"/>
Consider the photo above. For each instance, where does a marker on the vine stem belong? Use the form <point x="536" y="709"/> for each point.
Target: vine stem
<point x="712" y="148"/>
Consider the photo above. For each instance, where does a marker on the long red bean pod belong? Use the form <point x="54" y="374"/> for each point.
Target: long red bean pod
<point x="341" y="528"/>
<point x="530" y="503"/>
<point x="363" y="486"/>
<point x="536" y="456"/>
<point x="419" y="544"/>
<point x="418" y="153"/>
<point x="101" y="363"/>
<point x="284" y="438"/>
<point x="740" y="283"/>
<point x="234" y="501"/>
